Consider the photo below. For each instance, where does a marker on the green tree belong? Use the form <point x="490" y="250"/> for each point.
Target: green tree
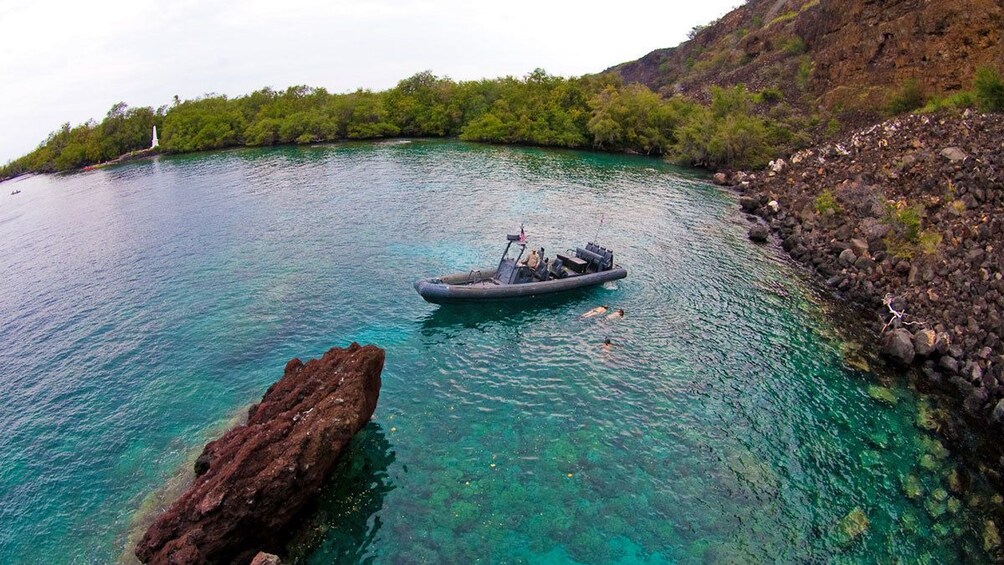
<point x="634" y="118"/>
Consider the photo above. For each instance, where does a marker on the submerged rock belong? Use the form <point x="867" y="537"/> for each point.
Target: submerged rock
<point x="912" y="487"/>
<point x="882" y="394"/>
<point x="852" y="525"/>
<point x="259" y="476"/>
<point x="991" y="536"/>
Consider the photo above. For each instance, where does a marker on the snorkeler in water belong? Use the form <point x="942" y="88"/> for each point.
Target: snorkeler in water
<point x="596" y="311"/>
<point x="618" y="313"/>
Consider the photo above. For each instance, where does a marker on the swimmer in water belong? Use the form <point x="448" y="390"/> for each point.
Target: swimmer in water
<point x="618" y="313"/>
<point x="607" y="344"/>
<point x="596" y="311"/>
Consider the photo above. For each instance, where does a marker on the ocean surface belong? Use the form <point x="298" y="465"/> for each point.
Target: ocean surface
<point x="144" y="307"/>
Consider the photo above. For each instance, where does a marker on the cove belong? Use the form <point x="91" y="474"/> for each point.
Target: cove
<point x="145" y="305"/>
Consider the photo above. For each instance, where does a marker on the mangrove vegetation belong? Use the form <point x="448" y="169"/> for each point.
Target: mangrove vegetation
<point x="736" y="128"/>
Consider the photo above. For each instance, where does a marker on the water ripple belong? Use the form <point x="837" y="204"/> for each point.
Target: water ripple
<point x="144" y="305"/>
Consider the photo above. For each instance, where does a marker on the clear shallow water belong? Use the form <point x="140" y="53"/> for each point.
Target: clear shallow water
<point x="144" y="306"/>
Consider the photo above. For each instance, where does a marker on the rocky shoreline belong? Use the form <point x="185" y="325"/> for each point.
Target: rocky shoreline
<point x="905" y="219"/>
<point x="255" y="481"/>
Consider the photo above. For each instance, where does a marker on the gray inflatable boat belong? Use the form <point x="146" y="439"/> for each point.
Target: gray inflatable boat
<point x="588" y="266"/>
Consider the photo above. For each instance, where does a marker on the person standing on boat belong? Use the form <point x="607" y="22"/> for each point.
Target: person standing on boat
<point x="533" y="260"/>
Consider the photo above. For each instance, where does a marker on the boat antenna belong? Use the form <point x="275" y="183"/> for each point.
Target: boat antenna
<point x="596" y="237"/>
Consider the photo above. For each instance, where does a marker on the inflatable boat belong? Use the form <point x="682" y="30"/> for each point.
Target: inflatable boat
<point x="537" y="276"/>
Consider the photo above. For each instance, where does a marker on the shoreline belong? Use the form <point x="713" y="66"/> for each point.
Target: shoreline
<point x="901" y="222"/>
<point x="151" y="153"/>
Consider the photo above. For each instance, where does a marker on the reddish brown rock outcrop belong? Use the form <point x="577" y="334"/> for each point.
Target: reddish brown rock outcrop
<point x="847" y="56"/>
<point x="258" y="477"/>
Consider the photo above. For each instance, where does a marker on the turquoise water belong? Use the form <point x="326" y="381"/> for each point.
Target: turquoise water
<point x="145" y="306"/>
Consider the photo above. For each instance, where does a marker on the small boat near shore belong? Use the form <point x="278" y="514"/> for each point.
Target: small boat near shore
<point x="514" y="278"/>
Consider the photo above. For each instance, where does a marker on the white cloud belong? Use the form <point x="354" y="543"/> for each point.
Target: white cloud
<point x="62" y="61"/>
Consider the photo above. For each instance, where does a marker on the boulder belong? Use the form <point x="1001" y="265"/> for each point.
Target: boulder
<point x="721" y="179"/>
<point x="847" y="257"/>
<point x="749" y="204"/>
<point x="924" y="342"/>
<point x="898" y="345"/>
<point x="258" y="477"/>
<point x="266" y="559"/>
<point x="759" y="233"/>
<point x="998" y="413"/>
<point x="864" y="263"/>
<point x="949" y="364"/>
<point x="954" y="154"/>
<point x="860" y="247"/>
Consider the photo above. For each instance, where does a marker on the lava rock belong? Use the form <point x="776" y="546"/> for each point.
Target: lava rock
<point x="749" y="204"/>
<point x="259" y="476"/>
<point x="942" y="342"/>
<point x="266" y="559"/>
<point x="860" y="247"/>
<point x="949" y="364"/>
<point x="847" y="257"/>
<point x="864" y="263"/>
<point x="924" y="341"/>
<point x="998" y="413"/>
<point x="954" y="154"/>
<point x="898" y="345"/>
<point x="759" y="233"/>
<point x="941" y="175"/>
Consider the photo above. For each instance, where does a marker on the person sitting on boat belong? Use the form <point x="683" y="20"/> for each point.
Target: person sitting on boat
<point x="596" y="311"/>
<point x="533" y="260"/>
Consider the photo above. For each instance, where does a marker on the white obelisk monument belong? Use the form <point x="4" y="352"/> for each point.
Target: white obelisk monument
<point x="155" y="142"/>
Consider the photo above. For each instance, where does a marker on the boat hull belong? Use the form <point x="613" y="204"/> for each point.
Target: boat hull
<point x="476" y="287"/>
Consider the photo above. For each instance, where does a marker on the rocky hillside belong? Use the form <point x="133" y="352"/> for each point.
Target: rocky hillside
<point x="845" y="58"/>
<point x="907" y="218"/>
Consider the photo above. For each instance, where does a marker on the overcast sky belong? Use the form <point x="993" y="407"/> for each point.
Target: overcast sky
<point x="69" y="61"/>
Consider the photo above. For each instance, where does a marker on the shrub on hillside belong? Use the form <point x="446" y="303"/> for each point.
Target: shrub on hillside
<point x="770" y="95"/>
<point x="956" y="101"/>
<point x="794" y="45"/>
<point x="825" y="202"/>
<point x="989" y="90"/>
<point x="908" y="98"/>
